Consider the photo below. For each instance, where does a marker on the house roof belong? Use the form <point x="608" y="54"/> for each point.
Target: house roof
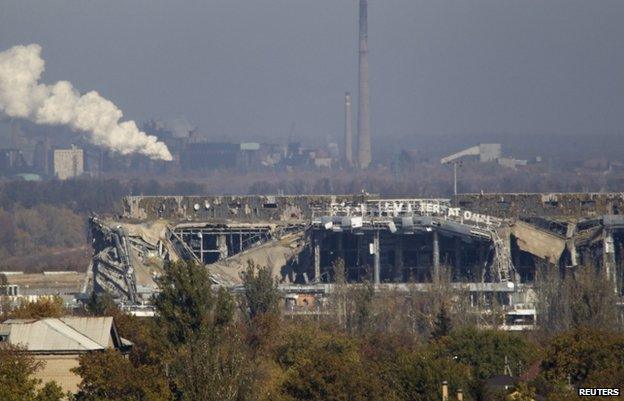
<point x="97" y="329"/>
<point x="67" y="334"/>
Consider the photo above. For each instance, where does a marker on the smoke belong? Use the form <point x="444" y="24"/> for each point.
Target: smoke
<point x="22" y="96"/>
<point x="180" y="126"/>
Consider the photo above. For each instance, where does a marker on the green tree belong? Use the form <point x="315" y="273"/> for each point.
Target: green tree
<point x="213" y="367"/>
<point x="322" y="366"/>
<point x="109" y="376"/>
<point x="262" y="295"/>
<point x="100" y="304"/>
<point x="185" y="303"/>
<point x="50" y="392"/>
<point x="584" y="354"/>
<point x="17" y="381"/>
<point x="417" y="374"/>
<point x="224" y="308"/>
<point x="485" y="351"/>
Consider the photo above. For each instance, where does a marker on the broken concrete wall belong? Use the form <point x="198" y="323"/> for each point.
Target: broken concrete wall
<point x="545" y="205"/>
<point x="279" y="255"/>
<point x="540" y="243"/>
<point x="202" y="208"/>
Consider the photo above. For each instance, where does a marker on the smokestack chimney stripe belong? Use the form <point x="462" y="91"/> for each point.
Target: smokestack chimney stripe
<point x="364" y="134"/>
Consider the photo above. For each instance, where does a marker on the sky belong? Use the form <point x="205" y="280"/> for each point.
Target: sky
<point x="263" y="69"/>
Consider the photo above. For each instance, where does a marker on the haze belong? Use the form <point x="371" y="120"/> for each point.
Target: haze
<point x="248" y="70"/>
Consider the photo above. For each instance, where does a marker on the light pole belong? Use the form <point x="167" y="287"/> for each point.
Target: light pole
<point x="455" y="164"/>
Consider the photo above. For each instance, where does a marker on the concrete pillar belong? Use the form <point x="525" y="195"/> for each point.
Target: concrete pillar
<point x="340" y="248"/>
<point x="317" y="259"/>
<point x="201" y="247"/>
<point x="222" y="245"/>
<point x="398" y="259"/>
<point x="436" y="254"/>
<point x="608" y="257"/>
<point x="482" y="256"/>
<point x="458" y="258"/>
<point x="376" y="266"/>
<point x="570" y="232"/>
<point x="445" y="396"/>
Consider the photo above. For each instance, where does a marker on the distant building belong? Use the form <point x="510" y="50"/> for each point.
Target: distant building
<point x="60" y="342"/>
<point x="204" y="156"/>
<point x="68" y="163"/>
<point x="16" y="287"/>
<point x="485" y="152"/>
<point x="41" y="157"/>
<point x="511" y="162"/>
<point x="12" y="161"/>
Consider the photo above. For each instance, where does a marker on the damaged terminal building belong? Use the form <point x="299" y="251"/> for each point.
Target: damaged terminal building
<point x="490" y="245"/>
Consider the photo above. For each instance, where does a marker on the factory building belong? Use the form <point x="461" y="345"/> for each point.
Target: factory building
<point x="67" y="163"/>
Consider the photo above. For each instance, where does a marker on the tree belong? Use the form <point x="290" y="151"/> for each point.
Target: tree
<point x="100" y="304"/>
<point x="584" y="354"/>
<point x="109" y="376"/>
<point x="41" y="308"/>
<point x="185" y="303"/>
<point x="206" y="357"/>
<point x="584" y="297"/>
<point x="17" y="382"/>
<point x="322" y="366"/>
<point x="338" y="298"/>
<point x="418" y="374"/>
<point x="360" y="312"/>
<point x="213" y="367"/>
<point x="262" y="295"/>
<point x="486" y="351"/>
<point x="224" y="308"/>
<point x="50" y="392"/>
<point x="442" y="325"/>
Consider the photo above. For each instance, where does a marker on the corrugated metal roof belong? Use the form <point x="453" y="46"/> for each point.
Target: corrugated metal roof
<point x="50" y="335"/>
<point x="96" y="328"/>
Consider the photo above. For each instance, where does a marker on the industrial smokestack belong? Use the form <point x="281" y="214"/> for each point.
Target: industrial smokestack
<point x="348" y="134"/>
<point x="364" y="134"/>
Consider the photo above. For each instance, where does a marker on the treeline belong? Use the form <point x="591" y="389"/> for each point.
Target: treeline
<point x="40" y="233"/>
<point x="434" y="180"/>
<point x="43" y="224"/>
<point x="421" y="180"/>
<point x="86" y="196"/>
<point x="216" y="346"/>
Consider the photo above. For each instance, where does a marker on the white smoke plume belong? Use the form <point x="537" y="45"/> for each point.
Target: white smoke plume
<point x="23" y="96"/>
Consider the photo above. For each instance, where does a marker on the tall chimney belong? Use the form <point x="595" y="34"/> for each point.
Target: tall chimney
<point x="348" y="134"/>
<point x="364" y="134"/>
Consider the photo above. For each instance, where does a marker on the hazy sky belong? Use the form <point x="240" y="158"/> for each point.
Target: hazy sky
<point x="249" y="68"/>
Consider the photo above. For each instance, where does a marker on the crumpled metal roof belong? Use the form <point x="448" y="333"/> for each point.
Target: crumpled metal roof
<point x="77" y="334"/>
